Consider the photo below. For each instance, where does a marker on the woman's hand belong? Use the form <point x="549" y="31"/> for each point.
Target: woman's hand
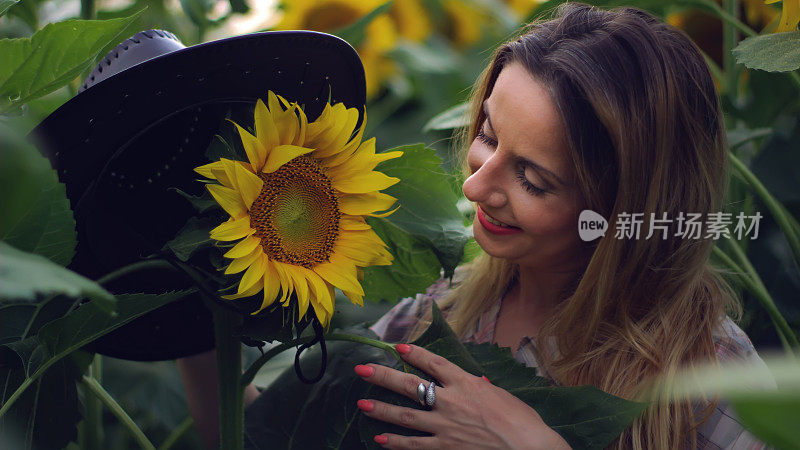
<point x="469" y="412"/>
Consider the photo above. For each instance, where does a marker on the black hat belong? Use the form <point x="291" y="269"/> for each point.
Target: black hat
<point x="139" y="125"/>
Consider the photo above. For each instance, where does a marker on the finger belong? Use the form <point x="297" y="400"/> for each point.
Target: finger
<point x="414" y="419"/>
<point x="396" y="441"/>
<point x="431" y="363"/>
<point x="397" y="381"/>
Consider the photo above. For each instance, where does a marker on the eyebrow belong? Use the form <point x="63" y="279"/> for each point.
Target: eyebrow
<point x="521" y="159"/>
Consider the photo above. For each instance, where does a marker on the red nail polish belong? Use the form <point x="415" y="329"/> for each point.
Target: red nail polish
<point x="365" y="405"/>
<point x="484" y="377"/>
<point x="364" y="371"/>
<point x="402" y="348"/>
<point x="381" y="439"/>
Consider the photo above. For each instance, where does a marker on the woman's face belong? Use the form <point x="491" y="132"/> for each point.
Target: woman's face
<point x="522" y="178"/>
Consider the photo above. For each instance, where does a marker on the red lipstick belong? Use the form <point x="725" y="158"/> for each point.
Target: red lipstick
<point x="495" y="229"/>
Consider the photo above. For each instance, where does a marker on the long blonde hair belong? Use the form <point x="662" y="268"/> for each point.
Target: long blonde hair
<point x="645" y="133"/>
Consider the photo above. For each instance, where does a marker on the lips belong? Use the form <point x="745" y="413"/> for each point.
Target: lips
<point x="494" y="226"/>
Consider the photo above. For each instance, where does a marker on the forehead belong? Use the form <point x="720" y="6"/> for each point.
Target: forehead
<point x="526" y="120"/>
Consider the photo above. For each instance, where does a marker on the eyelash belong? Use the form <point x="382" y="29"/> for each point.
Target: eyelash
<point x="530" y="187"/>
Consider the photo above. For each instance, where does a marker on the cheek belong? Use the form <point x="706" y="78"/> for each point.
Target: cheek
<point x="547" y="216"/>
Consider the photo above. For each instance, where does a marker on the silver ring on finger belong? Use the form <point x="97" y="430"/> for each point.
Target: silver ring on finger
<point x="430" y="394"/>
<point x="421" y="393"/>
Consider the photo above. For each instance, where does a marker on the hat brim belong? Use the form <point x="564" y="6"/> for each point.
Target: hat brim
<point x="121" y="147"/>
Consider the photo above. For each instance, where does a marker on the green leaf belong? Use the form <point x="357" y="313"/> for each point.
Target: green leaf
<point x="46" y="416"/>
<point x="191" y="238"/>
<point x="197" y="11"/>
<point x="239" y="6"/>
<point x="585" y="416"/>
<point x="778" y="52"/>
<point x="415" y="266"/>
<point x="52" y="57"/>
<point x="327" y="407"/>
<point x="354" y="33"/>
<point x="88" y="322"/>
<point x="428" y="203"/>
<point x="35" y="214"/>
<point x="455" y="117"/>
<point x="60" y="338"/>
<point x="25" y="276"/>
<point x="5" y="4"/>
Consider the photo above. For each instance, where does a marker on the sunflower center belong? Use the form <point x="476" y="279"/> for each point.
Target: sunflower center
<point x="296" y="215"/>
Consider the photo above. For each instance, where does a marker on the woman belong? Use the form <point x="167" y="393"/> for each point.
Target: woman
<point x="608" y="111"/>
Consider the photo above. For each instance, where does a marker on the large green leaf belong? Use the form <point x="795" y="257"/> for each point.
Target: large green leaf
<point x="778" y="52"/>
<point x="52" y="57"/>
<point x="415" y="266"/>
<point x="60" y="338"/>
<point x="47" y="414"/>
<point x="26" y="276"/>
<point x="35" y="214"/>
<point x="428" y="203"/>
<point x="585" y="416"/>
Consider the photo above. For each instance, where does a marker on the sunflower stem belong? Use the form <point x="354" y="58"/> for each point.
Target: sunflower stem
<point x="177" y="433"/>
<point x="97" y="390"/>
<point x="251" y="371"/>
<point x="135" y="267"/>
<point x="229" y="368"/>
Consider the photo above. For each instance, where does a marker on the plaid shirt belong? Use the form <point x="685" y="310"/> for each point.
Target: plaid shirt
<point x="721" y="431"/>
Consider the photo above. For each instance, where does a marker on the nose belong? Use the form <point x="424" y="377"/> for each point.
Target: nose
<point x="485" y="185"/>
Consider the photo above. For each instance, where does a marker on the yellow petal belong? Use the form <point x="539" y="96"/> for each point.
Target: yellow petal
<point x="249" y="185"/>
<point x="222" y="175"/>
<point x="300" y="139"/>
<point x="387" y="213"/>
<point x="353" y="223"/>
<point x="324" y="140"/>
<point x="272" y="286"/>
<point x="286" y="282"/>
<point x="253" y="275"/>
<point x="365" y="203"/>
<point x="266" y="133"/>
<point x="256" y="153"/>
<point x="317" y="127"/>
<point x="368" y="182"/>
<point x="347" y="132"/>
<point x="319" y="291"/>
<point x="244" y="262"/>
<point x="233" y="229"/>
<point x="207" y="169"/>
<point x="252" y="291"/>
<point x="355" y="297"/>
<point x="339" y="272"/>
<point x="349" y="151"/>
<point x="229" y="199"/>
<point x="243" y="248"/>
<point x="300" y="288"/>
<point x="282" y="154"/>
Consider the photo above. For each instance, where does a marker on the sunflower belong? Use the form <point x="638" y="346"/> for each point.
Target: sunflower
<point x="411" y="19"/>
<point x="790" y="15"/>
<point x="297" y="206"/>
<point x="380" y="35"/>
<point x="462" y="22"/>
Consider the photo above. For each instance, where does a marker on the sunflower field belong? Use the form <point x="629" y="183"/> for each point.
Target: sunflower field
<point x="314" y="226"/>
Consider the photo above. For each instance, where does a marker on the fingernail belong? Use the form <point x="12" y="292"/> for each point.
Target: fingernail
<point x="365" y="405"/>
<point x="484" y="377"/>
<point x="402" y="348"/>
<point x="381" y="439"/>
<point x="364" y="371"/>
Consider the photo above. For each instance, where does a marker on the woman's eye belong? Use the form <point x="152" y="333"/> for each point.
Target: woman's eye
<point x="486" y="139"/>
<point x="526" y="183"/>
